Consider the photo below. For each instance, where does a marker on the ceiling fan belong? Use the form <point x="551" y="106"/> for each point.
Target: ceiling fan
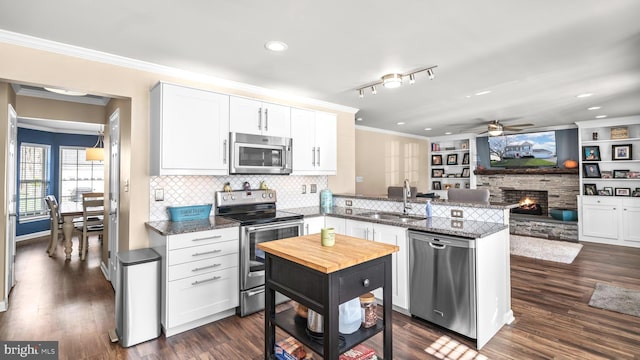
<point x="495" y="128"/>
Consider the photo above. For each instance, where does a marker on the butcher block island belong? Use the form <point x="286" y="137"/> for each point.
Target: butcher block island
<point x="322" y="278"/>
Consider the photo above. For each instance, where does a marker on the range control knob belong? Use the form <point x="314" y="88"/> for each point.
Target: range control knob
<point x="264" y="195"/>
<point x="224" y="197"/>
<point x="270" y="194"/>
<point x="233" y="197"/>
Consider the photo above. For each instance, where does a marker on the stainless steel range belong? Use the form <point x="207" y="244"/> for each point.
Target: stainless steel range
<point x="260" y="221"/>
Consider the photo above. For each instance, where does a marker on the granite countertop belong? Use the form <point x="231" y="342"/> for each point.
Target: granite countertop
<point x="166" y="227"/>
<point x="493" y="205"/>
<point x="437" y="225"/>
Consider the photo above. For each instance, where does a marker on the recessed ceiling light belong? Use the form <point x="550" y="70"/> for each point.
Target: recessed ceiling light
<point x="601" y="116"/>
<point x="276" y="46"/>
<point x="584" y="95"/>
<point x="359" y="119"/>
<point x="483" y="92"/>
<point x="468" y="96"/>
<point x="400" y="123"/>
<point x="594" y="108"/>
<point x="427" y="129"/>
<point x="65" y="92"/>
<point x="448" y="133"/>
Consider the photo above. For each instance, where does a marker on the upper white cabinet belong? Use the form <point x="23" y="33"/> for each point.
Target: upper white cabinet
<point x="189" y="131"/>
<point x="251" y="116"/>
<point x="314" y="142"/>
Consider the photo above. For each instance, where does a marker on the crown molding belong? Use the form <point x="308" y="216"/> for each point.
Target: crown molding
<point x="390" y="132"/>
<point x="111" y="59"/>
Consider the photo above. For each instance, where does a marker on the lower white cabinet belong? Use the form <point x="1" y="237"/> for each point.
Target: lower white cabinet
<point x="200" y="277"/>
<point x="393" y="235"/>
<point x="338" y="224"/>
<point x="313" y="225"/>
<point x="610" y="220"/>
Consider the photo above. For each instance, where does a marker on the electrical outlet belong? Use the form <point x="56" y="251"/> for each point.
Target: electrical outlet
<point x="457" y="224"/>
<point x="159" y="194"/>
<point x="314" y="188"/>
<point x="457" y="213"/>
<point x="348" y="203"/>
<point x="304" y="188"/>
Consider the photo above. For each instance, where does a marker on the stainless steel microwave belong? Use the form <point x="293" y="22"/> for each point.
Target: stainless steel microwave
<point x="259" y="154"/>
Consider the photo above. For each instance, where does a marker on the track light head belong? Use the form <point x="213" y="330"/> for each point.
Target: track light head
<point x="412" y="79"/>
<point x="373" y="90"/>
<point x="360" y="93"/>
<point x="430" y="73"/>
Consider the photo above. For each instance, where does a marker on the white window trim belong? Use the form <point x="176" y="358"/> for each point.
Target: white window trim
<point x="46" y="181"/>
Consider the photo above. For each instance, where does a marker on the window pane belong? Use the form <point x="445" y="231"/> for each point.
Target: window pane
<point x="78" y="176"/>
<point x="33" y="180"/>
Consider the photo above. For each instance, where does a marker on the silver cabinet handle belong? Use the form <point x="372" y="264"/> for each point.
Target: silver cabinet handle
<point x="207" y="238"/>
<point x="260" y="119"/>
<point x="307" y="228"/>
<point x="266" y="119"/>
<point x="207" y="252"/>
<point x="318" y="155"/>
<point x="205" y="267"/>
<point x="224" y="151"/>
<point x="374" y="234"/>
<point x="313" y="156"/>
<point x="206" y="280"/>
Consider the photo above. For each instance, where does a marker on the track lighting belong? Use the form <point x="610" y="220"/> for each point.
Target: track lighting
<point x="394" y="80"/>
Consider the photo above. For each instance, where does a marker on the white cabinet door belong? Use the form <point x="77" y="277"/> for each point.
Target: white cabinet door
<point x="313" y="225"/>
<point x="314" y="142"/>
<point x="339" y="224"/>
<point x="251" y="116"/>
<point x="630" y="220"/>
<point x="359" y="229"/>
<point x="189" y="131"/>
<point x="394" y="235"/>
<point x="600" y="221"/>
<point x="326" y="143"/>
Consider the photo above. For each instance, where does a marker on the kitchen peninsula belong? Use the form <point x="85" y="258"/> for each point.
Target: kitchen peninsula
<point x="321" y="278"/>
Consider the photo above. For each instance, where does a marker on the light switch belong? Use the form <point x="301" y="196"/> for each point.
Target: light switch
<point x="314" y="188"/>
<point x="159" y="194"/>
<point x="304" y="188"/>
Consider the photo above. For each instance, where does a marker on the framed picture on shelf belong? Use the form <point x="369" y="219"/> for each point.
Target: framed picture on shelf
<point x="465" y="159"/>
<point x="606" y="174"/>
<point x="620" y="174"/>
<point x="447" y="186"/>
<point x="590" y="189"/>
<point x="636" y="192"/>
<point x="608" y="190"/>
<point x="437" y="185"/>
<point x="436" y="159"/>
<point x="591" y="153"/>
<point x="452" y="159"/>
<point x="621" y="152"/>
<point x="603" y="193"/>
<point x="623" y="192"/>
<point x="464" y="145"/>
<point x="591" y="171"/>
<point x="465" y="172"/>
<point x="437" y="173"/>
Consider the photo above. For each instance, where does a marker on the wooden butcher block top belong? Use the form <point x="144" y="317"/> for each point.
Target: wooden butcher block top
<point x="308" y="251"/>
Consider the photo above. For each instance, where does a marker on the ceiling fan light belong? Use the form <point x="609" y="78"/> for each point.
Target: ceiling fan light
<point x="495" y="132"/>
<point x="392" y="81"/>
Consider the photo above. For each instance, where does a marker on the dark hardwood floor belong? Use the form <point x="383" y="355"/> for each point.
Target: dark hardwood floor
<point x="72" y="303"/>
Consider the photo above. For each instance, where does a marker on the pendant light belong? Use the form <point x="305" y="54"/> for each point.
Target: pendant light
<point x="96" y="153"/>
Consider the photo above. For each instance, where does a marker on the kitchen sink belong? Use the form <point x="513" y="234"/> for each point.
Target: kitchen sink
<point x="392" y="216"/>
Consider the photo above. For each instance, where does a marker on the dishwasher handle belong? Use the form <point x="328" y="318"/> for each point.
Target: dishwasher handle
<point x="437" y="246"/>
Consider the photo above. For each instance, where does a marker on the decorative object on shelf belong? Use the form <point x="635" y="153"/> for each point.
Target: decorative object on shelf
<point x="465" y="159"/>
<point x="435" y="147"/>
<point x="590" y="189"/>
<point x="394" y="80"/>
<point x="369" y="306"/>
<point x="263" y="185"/>
<point x="452" y="159"/>
<point x="437" y="185"/>
<point x="437" y="173"/>
<point x="606" y="174"/>
<point x="436" y="159"/>
<point x="591" y="153"/>
<point x="564" y="214"/>
<point x="623" y="191"/>
<point x="594" y="135"/>
<point x="633" y="174"/>
<point x="447" y="186"/>
<point x="621" y="152"/>
<point x="591" y="171"/>
<point x="603" y="193"/>
<point x="246" y="186"/>
<point x="464" y="146"/>
<point x="620" y="174"/>
<point x="449" y="148"/>
<point x="619" y="133"/>
<point x="608" y="190"/>
<point x="457" y="185"/>
<point x="570" y="164"/>
<point x="636" y="192"/>
<point x="227" y="187"/>
<point x="465" y="172"/>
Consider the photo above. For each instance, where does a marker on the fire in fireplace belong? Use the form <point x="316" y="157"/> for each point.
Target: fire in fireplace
<point x="530" y="202"/>
<point x="527" y="206"/>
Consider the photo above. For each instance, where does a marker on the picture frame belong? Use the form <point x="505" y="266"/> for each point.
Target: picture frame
<point x="452" y="159"/>
<point x="636" y="193"/>
<point x="436" y="159"/>
<point x="623" y="191"/>
<point x="590" y="189"/>
<point x="603" y="193"/>
<point x="466" y="172"/>
<point x="621" y="152"/>
<point x="608" y="190"/>
<point x="591" y="153"/>
<point x="447" y="186"/>
<point x="465" y="159"/>
<point x="437" y="173"/>
<point x="437" y="185"/>
<point x="606" y="174"/>
<point x="620" y="174"/>
<point x="590" y="171"/>
<point x="464" y="145"/>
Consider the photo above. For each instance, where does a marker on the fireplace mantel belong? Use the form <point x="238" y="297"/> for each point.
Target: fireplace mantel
<point x="526" y="171"/>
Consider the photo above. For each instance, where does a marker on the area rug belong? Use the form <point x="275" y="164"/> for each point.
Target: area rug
<point x="551" y="250"/>
<point x="614" y="298"/>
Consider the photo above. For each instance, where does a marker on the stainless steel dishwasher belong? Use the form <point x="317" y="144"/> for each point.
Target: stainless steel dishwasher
<point x="443" y="286"/>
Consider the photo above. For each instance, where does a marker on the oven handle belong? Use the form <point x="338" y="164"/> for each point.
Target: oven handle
<point x="276" y="225"/>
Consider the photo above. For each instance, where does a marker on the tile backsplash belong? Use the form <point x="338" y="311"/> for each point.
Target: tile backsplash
<point x="198" y="190"/>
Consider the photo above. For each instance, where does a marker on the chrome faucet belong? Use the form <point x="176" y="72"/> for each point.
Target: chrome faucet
<point x="406" y="193"/>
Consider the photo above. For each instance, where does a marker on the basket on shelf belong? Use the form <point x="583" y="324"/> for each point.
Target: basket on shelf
<point x="194" y="212"/>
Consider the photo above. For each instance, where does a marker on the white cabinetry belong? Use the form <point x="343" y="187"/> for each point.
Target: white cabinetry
<point x="313" y="225"/>
<point x="251" y="116"/>
<point x="338" y="224"/>
<point x="314" y="142"/>
<point x="453" y="160"/>
<point x="393" y="235"/>
<point x="189" y="131"/>
<point x="200" y="277"/>
<point x="609" y="201"/>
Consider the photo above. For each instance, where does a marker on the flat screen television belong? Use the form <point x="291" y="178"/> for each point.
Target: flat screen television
<point x="535" y="149"/>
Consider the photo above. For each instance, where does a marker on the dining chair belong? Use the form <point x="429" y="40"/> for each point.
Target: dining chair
<point x="92" y="220"/>
<point x="56" y="222"/>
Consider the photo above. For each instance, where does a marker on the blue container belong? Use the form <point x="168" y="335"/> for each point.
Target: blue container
<point x="194" y="212"/>
<point x="326" y="199"/>
<point x="564" y="214"/>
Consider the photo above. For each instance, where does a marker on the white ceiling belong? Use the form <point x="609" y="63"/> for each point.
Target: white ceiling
<point x="534" y="56"/>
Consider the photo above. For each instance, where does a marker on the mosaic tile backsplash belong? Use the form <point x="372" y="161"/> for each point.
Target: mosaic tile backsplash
<point x="198" y="190"/>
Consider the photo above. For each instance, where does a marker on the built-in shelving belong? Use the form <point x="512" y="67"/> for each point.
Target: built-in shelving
<point x="452" y="163"/>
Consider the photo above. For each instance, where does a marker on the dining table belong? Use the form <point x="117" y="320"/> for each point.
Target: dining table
<point x="69" y="210"/>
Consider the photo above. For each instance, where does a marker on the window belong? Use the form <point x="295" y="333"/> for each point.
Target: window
<point x="77" y="175"/>
<point x="34" y="181"/>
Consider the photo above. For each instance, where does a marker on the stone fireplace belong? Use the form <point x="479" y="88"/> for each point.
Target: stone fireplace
<point x="532" y="202"/>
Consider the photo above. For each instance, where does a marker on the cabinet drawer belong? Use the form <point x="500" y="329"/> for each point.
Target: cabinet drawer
<point x="203" y="266"/>
<point x="199" y="296"/>
<point x="202" y="238"/>
<point x="353" y="285"/>
<point x="600" y="200"/>
<point x="203" y="252"/>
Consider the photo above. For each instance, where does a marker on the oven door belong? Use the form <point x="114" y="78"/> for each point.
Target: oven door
<point x="255" y="154"/>
<point x="252" y="258"/>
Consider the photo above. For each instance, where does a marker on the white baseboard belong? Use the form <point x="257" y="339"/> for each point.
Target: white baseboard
<point x="105" y="270"/>
<point x="32" y="235"/>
